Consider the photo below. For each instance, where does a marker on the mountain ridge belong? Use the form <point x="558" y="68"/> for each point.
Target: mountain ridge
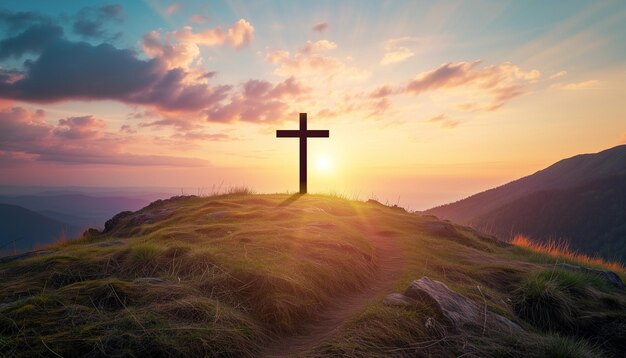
<point x="539" y="205"/>
<point x="562" y="174"/>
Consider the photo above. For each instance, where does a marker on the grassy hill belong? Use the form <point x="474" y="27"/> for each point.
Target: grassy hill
<point x="250" y="275"/>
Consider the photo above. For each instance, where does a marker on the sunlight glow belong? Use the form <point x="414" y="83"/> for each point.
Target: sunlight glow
<point x="323" y="164"/>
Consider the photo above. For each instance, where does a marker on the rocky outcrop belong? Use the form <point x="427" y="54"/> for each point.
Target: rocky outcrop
<point x="458" y="310"/>
<point x="115" y="220"/>
<point x="609" y="277"/>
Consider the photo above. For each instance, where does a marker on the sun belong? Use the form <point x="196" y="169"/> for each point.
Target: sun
<point x="323" y="164"/>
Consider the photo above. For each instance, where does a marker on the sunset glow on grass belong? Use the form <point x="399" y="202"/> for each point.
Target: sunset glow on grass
<point x="561" y="250"/>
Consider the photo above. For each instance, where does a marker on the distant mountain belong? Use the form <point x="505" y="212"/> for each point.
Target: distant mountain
<point x="21" y="229"/>
<point x="75" y="208"/>
<point x="581" y="199"/>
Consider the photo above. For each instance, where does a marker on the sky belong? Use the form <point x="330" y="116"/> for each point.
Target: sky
<point x="427" y="102"/>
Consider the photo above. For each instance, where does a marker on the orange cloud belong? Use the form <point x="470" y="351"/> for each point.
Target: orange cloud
<point x="557" y="75"/>
<point x="399" y="55"/>
<point x="239" y="35"/>
<point x="444" y="121"/>
<point x="396" y="50"/>
<point x="310" y="61"/>
<point x="578" y="85"/>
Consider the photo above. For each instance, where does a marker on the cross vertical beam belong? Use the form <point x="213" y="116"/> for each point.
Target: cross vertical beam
<point x="303" y="133"/>
<point x="303" y="155"/>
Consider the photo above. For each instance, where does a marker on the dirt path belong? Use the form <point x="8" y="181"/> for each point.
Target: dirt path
<point x="390" y="263"/>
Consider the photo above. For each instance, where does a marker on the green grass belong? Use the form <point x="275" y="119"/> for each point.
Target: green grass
<point x="227" y="274"/>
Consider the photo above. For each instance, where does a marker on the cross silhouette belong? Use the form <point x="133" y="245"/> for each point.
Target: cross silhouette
<point x="303" y="133"/>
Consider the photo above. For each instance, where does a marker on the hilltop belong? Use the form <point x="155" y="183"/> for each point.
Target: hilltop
<point x="579" y="199"/>
<point x="250" y="275"/>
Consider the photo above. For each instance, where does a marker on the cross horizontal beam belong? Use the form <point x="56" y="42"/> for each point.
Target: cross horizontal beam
<point x="296" y="133"/>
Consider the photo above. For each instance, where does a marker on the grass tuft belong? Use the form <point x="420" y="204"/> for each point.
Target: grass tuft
<point x="561" y="250"/>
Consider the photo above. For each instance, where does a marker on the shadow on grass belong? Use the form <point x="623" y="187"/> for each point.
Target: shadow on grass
<point x="290" y="199"/>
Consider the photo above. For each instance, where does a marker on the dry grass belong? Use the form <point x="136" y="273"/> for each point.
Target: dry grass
<point x="561" y="250"/>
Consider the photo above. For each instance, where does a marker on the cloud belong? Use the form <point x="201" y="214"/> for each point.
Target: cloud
<point x="170" y="83"/>
<point x="173" y="8"/>
<point x="396" y="50"/>
<point x="103" y="72"/>
<point x="199" y="19"/>
<point x="321" y="27"/>
<point x="399" y="55"/>
<point x="18" y="125"/>
<point x="557" y="75"/>
<point x="500" y="83"/>
<point x="312" y="62"/>
<point x="127" y="128"/>
<point x="84" y="127"/>
<point x="382" y="91"/>
<point x="201" y="136"/>
<point x="17" y="21"/>
<point x="379" y="107"/>
<point x="90" y="22"/>
<point x="578" y="85"/>
<point x="25" y="135"/>
<point x="32" y="40"/>
<point x="180" y="54"/>
<point x="444" y="121"/>
<point x="260" y="102"/>
<point x="239" y="35"/>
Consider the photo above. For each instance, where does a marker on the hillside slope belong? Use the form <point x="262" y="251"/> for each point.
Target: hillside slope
<point x="592" y="217"/>
<point x="567" y="173"/>
<point x="29" y="228"/>
<point x="267" y="275"/>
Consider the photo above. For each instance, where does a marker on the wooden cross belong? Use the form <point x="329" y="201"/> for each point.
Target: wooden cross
<point x="303" y="133"/>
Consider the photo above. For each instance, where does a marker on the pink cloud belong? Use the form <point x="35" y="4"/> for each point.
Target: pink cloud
<point x="24" y="135"/>
<point x="321" y="27"/>
<point x="173" y="8"/>
<point x="311" y="61"/>
<point x="382" y="91"/>
<point x="199" y="19"/>
<point x="180" y="54"/>
<point x="240" y="34"/>
<point x="260" y="102"/>
<point x="501" y="83"/>
<point x="79" y="127"/>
